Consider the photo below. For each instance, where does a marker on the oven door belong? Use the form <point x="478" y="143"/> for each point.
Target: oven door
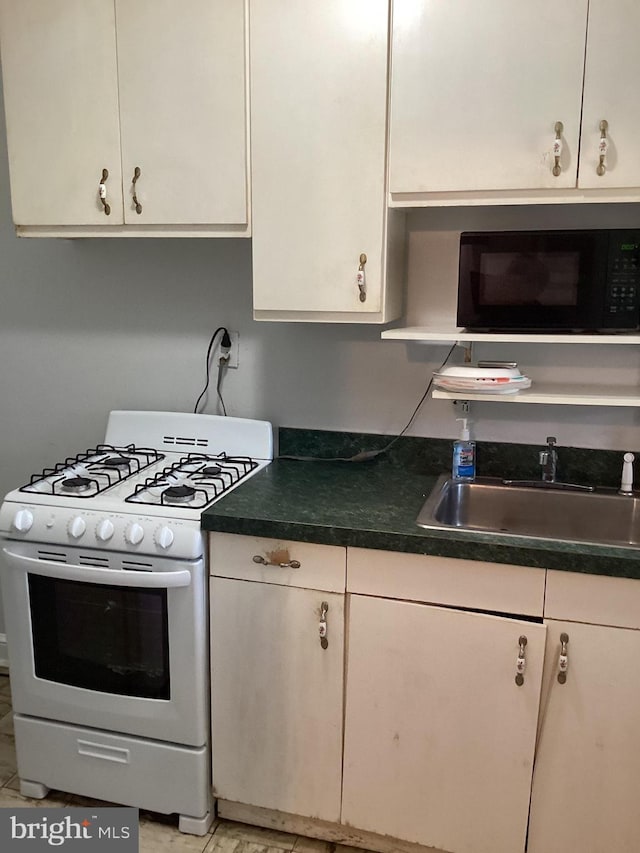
<point x="114" y="649"/>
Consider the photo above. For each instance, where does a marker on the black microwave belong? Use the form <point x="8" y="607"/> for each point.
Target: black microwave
<point x="540" y="281"/>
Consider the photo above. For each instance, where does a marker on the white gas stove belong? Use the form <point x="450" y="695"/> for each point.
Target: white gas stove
<point x="104" y="582"/>
<point x="143" y="490"/>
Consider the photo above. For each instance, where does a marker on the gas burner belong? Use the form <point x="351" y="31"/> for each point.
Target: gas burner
<point x="115" y="462"/>
<point x="178" y="494"/>
<point x="210" y="471"/>
<point x="76" y="485"/>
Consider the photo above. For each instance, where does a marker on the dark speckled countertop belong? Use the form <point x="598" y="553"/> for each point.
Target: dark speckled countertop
<point x="375" y="504"/>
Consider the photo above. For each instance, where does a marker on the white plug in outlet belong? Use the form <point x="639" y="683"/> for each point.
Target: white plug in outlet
<point x="233" y="352"/>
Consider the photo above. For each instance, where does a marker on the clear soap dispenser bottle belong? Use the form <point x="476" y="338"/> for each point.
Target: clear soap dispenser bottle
<point x="464" y="454"/>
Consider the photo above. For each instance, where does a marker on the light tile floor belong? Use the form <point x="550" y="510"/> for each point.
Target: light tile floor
<point x="158" y="833"/>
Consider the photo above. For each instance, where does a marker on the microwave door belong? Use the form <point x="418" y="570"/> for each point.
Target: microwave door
<point x="529" y="281"/>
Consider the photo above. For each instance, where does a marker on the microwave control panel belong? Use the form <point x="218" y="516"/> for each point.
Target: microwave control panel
<point x="623" y="293"/>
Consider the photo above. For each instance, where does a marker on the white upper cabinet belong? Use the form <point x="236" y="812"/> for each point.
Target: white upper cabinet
<point x="477" y="90"/>
<point x="612" y="72"/>
<point x="155" y="85"/>
<point x="318" y="152"/>
<point x="182" y="110"/>
<point x="61" y="104"/>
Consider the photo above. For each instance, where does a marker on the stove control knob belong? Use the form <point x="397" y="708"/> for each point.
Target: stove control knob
<point x="105" y="530"/>
<point x="163" y="537"/>
<point x="76" y="527"/>
<point x="134" y="534"/>
<point x="23" y="520"/>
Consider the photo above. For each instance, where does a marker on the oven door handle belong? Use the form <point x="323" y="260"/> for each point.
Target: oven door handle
<point x="89" y="574"/>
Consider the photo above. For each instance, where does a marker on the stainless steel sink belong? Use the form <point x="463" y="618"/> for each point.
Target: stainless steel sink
<point x="489" y="505"/>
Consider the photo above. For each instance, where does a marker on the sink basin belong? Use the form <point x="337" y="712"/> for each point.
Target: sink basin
<point x="487" y="504"/>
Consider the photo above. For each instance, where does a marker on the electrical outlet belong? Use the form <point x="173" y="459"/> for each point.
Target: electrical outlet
<point x="234" y="351"/>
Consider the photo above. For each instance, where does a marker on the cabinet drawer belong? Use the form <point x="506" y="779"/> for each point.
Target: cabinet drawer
<point x="320" y="566"/>
<point x="494" y="587"/>
<point x="597" y="599"/>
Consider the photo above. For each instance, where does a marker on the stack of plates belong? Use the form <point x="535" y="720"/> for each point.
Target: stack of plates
<point x="480" y="380"/>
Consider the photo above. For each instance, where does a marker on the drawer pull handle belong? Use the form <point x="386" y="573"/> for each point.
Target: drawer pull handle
<point x="324" y="640"/>
<point x="136" y="175"/>
<point x="603" y="147"/>
<point x="557" y="149"/>
<point x="103" y="751"/>
<point x="563" y="658"/>
<point x="102" y="192"/>
<point x="291" y="564"/>
<point x="361" y="279"/>
<point x="521" y="661"/>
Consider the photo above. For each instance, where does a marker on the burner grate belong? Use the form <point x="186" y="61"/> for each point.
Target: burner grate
<point x="87" y="474"/>
<point x="193" y="481"/>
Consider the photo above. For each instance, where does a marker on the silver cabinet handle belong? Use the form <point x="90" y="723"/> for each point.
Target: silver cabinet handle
<point x="521" y="661"/>
<point x="563" y="658"/>
<point x="136" y="175"/>
<point x="557" y="149"/>
<point x="290" y="564"/>
<point x="361" y="278"/>
<point x="102" y="192"/>
<point x="324" y="640"/>
<point x="603" y="147"/>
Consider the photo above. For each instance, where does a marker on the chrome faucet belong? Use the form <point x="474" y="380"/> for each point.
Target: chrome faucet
<point x="549" y="461"/>
<point x="549" y="464"/>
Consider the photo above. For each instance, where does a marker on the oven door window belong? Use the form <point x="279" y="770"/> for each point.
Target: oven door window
<point x="100" y="637"/>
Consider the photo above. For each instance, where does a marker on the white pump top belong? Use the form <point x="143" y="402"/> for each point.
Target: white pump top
<point x="464" y="432"/>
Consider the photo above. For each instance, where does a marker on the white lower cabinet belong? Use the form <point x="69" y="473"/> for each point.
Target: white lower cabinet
<point x="587" y="773"/>
<point x="439" y="738"/>
<point x="277" y="689"/>
<point x="440" y="745"/>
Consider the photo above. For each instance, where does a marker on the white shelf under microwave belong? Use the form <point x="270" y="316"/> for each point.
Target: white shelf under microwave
<point x="444" y="335"/>
<point x="554" y="394"/>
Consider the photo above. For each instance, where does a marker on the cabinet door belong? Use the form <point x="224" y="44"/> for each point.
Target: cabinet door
<point x="61" y="104"/>
<point x="183" y="110"/>
<point x="318" y="119"/>
<point x="439" y="739"/>
<point x="585" y="784"/>
<point x="612" y="72"/>
<point x="477" y="89"/>
<point x="277" y="697"/>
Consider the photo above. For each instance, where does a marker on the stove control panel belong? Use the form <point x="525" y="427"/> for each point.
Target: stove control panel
<point x="97" y="531"/>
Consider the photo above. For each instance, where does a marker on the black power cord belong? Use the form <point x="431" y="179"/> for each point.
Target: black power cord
<point x="367" y="455"/>
<point x="225" y="344"/>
